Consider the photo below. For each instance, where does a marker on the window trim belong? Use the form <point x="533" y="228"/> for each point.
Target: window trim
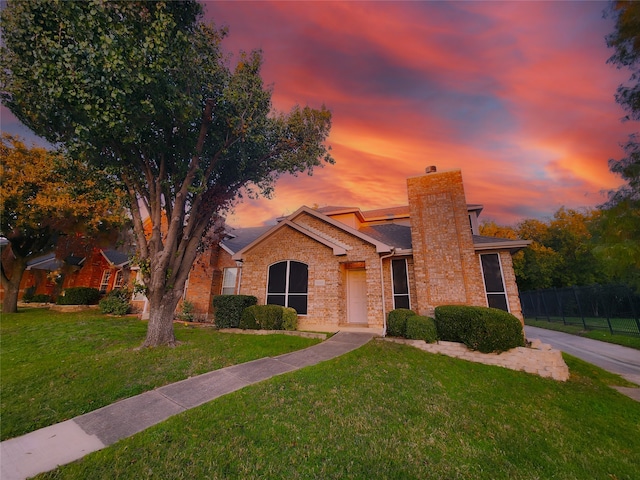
<point x="484" y="281"/>
<point x="286" y="292"/>
<point x="104" y="281"/>
<point x="393" y="290"/>
<point x="118" y="280"/>
<point x="225" y="270"/>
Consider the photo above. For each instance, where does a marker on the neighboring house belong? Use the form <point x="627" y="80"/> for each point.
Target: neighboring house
<point x="340" y="266"/>
<point x="103" y="269"/>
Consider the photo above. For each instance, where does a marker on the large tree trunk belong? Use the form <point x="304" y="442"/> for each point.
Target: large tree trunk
<point x="11" y="277"/>
<point x="161" y="313"/>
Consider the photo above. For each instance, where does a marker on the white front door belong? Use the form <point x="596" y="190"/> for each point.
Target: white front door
<point x="357" y="296"/>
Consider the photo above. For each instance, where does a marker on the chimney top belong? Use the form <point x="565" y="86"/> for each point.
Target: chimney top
<point x="430" y="169"/>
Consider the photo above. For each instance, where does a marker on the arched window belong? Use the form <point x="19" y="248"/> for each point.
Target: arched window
<point x="287" y="285"/>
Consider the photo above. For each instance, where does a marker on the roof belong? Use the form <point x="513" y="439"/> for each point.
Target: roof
<point x="386" y="213"/>
<point x="493" y="243"/>
<point x="397" y="236"/>
<point x="238" y="238"/>
<point x="118" y="259"/>
<point x="47" y="262"/>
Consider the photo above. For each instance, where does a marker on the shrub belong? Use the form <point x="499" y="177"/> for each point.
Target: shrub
<point x="229" y="308"/>
<point x="116" y="302"/>
<point x="186" y="311"/>
<point x="79" y="296"/>
<point x="40" y="298"/>
<point x="397" y="322"/>
<point x="28" y="294"/>
<point x="263" y="317"/>
<point x="289" y="319"/>
<point x="421" y="328"/>
<point x="479" y="328"/>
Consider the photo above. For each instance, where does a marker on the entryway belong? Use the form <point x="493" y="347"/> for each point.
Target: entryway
<point x="357" y="297"/>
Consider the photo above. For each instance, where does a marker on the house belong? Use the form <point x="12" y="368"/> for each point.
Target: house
<point x="104" y="269"/>
<point x="341" y="266"/>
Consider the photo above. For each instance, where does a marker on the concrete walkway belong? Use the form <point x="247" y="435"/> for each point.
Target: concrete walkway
<point x="617" y="359"/>
<point x="65" y="442"/>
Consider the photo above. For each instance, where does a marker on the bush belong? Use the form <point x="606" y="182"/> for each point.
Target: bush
<point x="116" y="302"/>
<point x="186" y="311"/>
<point x="40" y="298"/>
<point x="289" y="319"/>
<point x="421" y="328"/>
<point x="263" y="317"/>
<point x="79" y="296"/>
<point x="229" y="308"/>
<point x="479" y="328"/>
<point x="397" y="322"/>
<point x="28" y="294"/>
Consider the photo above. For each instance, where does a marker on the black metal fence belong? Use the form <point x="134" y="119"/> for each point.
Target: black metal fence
<point x="604" y="307"/>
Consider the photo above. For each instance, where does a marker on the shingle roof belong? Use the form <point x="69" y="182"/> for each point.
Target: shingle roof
<point x="47" y="262"/>
<point x="116" y="258"/>
<point x="397" y="236"/>
<point x="241" y="237"/>
<point x="391" y="212"/>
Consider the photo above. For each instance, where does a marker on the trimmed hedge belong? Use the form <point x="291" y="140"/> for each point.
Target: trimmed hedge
<point x="229" y="308"/>
<point x="397" y="321"/>
<point x="421" y="328"/>
<point x="289" y="319"/>
<point x="116" y="302"/>
<point x="479" y="328"/>
<point x="79" y="296"/>
<point x="40" y="298"/>
<point x="268" y="317"/>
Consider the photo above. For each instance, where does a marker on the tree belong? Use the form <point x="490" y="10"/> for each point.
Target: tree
<point x="618" y="231"/>
<point x="144" y="88"/>
<point x="42" y="195"/>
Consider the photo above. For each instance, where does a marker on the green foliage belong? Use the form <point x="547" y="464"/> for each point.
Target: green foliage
<point x="479" y="328"/>
<point x="79" y="296"/>
<point x="40" y="298"/>
<point x="229" y="308"/>
<point x="397" y="321"/>
<point x="116" y="302"/>
<point x="28" y="294"/>
<point x="263" y="317"/>
<point x="186" y="311"/>
<point x="421" y="328"/>
<point x="289" y="319"/>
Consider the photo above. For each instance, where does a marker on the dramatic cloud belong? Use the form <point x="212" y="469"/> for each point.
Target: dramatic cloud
<point x="518" y="95"/>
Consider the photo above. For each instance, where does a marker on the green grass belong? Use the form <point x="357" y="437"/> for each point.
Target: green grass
<point x="55" y="366"/>
<point x="602" y="335"/>
<point x="394" y="412"/>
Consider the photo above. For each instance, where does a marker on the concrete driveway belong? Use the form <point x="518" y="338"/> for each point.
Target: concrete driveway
<point x="614" y="358"/>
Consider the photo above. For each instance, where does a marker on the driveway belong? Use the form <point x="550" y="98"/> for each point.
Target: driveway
<point x="614" y="358"/>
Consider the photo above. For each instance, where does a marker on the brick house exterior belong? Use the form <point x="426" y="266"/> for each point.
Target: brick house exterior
<point x="340" y="266"/>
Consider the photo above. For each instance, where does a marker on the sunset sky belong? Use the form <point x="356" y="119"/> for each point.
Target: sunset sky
<point x="517" y="95"/>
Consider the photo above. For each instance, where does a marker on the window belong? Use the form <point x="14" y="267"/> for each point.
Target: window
<point x="229" y="281"/>
<point x="287" y="285"/>
<point x="400" y="284"/>
<point x="119" y="280"/>
<point x="104" y="283"/>
<point x="493" y="281"/>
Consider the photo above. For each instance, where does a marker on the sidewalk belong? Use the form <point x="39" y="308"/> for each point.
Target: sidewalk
<point x="65" y="442"/>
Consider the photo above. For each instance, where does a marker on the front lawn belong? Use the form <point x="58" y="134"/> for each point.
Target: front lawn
<point x="55" y="366"/>
<point x="391" y="411"/>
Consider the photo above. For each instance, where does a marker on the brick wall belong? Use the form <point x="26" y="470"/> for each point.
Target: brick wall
<point x="327" y="303"/>
<point x="446" y="268"/>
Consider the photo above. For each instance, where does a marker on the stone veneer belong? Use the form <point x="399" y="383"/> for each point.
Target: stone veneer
<point x="539" y="359"/>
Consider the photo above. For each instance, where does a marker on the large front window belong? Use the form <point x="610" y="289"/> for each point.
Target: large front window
<point x="288" y="285"/>
<point x="104" y="283"/>
<point x="493" y="281"/>
<point x="400" y="284"/>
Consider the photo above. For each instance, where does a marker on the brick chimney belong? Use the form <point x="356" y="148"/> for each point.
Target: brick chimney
<point x="446" y="268"/>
